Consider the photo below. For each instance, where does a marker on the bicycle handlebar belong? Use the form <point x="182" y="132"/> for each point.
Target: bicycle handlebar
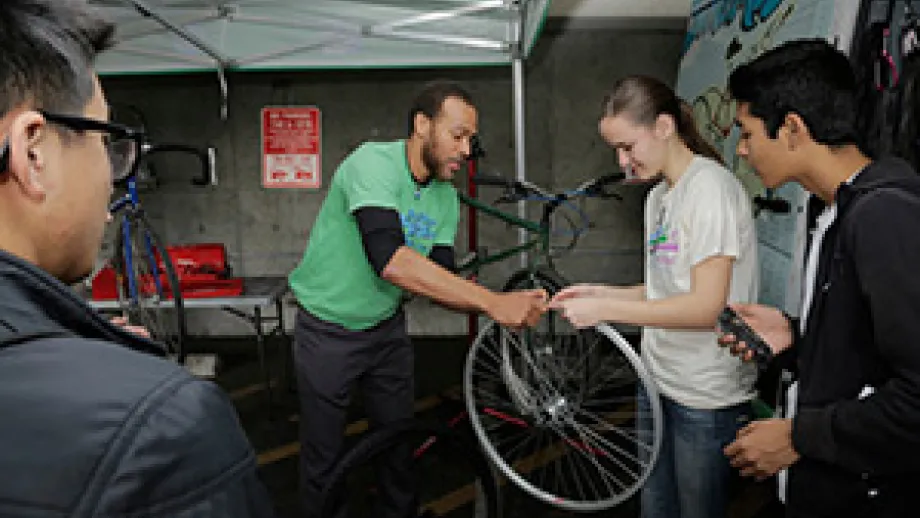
<point x="517" y="190"/>
<point x="521" y="190"/>
<point x="206" y="157"/>
<point x="596" y="187"/>
<point x="777" y="205"/>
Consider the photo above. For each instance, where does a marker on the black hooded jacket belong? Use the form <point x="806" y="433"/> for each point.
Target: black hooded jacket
<point x="860" y="446"/>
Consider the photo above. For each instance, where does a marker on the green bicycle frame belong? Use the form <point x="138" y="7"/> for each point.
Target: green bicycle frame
<point x="539" y="240"/>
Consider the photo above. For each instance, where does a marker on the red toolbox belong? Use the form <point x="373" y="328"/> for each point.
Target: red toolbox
<point x="202" y="270"/>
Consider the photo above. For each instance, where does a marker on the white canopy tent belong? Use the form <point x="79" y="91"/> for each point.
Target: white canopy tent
<point x="179" y="36"/>
<point x="193" y="35"/>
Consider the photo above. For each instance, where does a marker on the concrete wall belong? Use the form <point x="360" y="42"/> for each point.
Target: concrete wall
<point x="265" y="231"/>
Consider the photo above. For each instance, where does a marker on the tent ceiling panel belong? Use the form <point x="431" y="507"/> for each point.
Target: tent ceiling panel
<point x="174" y="35"/>
<point x="620" y="8"/>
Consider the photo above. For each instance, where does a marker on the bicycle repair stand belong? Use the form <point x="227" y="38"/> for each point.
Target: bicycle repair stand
<point x="476" y="152"/>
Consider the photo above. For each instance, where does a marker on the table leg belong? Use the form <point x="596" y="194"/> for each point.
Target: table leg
<point x="287" y="350"/>
<point x="263" y="363"/>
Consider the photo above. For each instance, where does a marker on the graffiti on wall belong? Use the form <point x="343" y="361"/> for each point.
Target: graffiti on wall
<point x="713" y="109"/>
<point x="713" y="15"/>
<point x="722" y="34"/>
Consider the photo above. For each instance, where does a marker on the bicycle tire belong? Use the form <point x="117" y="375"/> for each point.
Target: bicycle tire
<point x="388" y="437"/>
<point x="141" y="229"/>
<point x="516" y="403"/>
<point x="535" y="278"/>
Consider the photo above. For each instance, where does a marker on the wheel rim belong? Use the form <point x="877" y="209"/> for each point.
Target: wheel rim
<point x="561" y="426"/>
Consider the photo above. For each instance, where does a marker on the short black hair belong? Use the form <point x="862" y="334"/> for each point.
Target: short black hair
<point x="808" y="77"/>
<point x="47" y="49"/>
<point x="432" y="96"/>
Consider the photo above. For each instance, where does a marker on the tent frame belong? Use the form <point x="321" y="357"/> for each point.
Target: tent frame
<point x="401" y="29"/>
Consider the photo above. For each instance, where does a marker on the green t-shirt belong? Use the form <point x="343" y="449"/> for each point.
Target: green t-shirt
<point x="335" y="281"/>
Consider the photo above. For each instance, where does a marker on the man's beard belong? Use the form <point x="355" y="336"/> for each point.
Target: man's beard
<point x="430" y="162"/>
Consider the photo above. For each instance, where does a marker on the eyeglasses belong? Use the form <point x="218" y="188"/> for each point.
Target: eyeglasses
<point x="123" y="144"/>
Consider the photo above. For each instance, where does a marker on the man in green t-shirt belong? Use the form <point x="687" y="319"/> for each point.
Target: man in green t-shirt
<point x="387" y="226"/>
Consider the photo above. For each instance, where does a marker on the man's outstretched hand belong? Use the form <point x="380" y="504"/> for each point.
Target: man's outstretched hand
<point x="517" y="309"/>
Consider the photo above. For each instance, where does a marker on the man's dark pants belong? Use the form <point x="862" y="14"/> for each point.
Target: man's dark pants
<point x="329" y="359"/>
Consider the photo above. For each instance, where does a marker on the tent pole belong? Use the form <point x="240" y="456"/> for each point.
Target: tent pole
<point x="222" y="61"/>
<point x="224" y="101"/>
<point x="182" y="33"/>
<point x="517" y="86"/>
<point x="520" y="165"/>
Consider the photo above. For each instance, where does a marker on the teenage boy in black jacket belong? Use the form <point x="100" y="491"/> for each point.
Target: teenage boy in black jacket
<point x="852" y="445"/>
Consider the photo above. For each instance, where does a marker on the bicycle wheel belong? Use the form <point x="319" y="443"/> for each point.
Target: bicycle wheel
<point x="544" y="278"/>
<point x="563" y="428"/>
<point x="554" y="335"/>
<point x="148" y="287"/>
<point x="437" y="451"/>
<point x="559" y="342"/>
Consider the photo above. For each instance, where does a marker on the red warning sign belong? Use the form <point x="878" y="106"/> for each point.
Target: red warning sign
<point x="291" y="147"/>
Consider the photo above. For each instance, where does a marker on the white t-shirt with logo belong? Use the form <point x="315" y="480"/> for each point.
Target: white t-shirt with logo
<point x="706" y="213"/>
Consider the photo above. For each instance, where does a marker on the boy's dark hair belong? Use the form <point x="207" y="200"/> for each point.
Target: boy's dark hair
<point x="431" y="97"/>
<point x="808" y="77"/>
<point x="47" y="49"/>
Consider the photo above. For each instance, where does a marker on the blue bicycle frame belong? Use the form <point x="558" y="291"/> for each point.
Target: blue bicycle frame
<point x="130" y="203"/>
<point x="130" y="200"/>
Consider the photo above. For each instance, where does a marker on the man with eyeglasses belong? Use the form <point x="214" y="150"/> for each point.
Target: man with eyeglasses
<point x="95" y="421"/>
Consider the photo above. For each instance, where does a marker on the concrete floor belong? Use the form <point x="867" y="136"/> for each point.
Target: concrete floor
<point x="439" y="364"/>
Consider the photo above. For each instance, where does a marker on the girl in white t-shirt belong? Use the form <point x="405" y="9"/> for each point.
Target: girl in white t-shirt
<point x="700" y="254"/>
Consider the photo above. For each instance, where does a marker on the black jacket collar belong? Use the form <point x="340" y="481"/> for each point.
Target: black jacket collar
<point x="881" y="173"/>
<point x="32" y="301"/>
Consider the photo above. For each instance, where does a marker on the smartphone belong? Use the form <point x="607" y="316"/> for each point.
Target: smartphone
<point x="731" y="323"/>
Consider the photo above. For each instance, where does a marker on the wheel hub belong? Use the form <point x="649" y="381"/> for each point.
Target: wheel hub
<point x="553" y="410"/>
